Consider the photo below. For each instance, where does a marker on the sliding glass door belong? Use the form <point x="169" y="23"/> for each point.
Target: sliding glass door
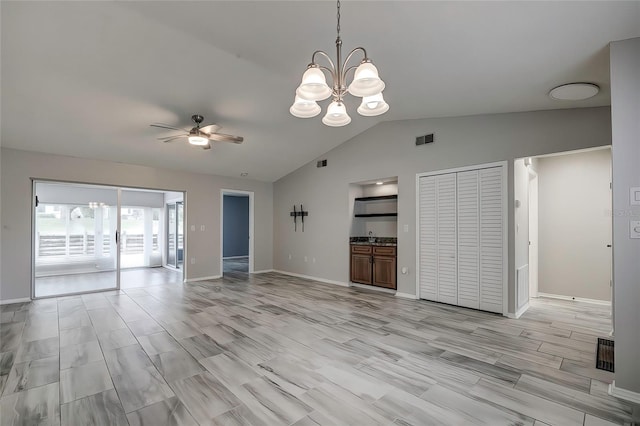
<point x="75" y="238"/>
<point x="175" y="234"/>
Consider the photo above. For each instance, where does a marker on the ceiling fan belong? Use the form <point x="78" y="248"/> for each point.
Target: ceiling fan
<point x="199" y="136"/>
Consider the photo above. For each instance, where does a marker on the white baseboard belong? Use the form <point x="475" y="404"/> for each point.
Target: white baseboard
<point x="10" y="301"/>
<point x="309" y="277"/>
<point x="235" y="257"/>
<point x="519" y="313"/>
<point x="264" y="271"/>
<point x="371" y="287"/>
<point x="194" y="280"/>
<point x="625" y="394"/>
<point x="575" y="299"/>
<point x="406" y="295"/>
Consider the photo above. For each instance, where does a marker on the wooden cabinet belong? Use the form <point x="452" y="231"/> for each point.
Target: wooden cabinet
<point x="373" y="265"/>
<point x="361" y="268"/>
<point x="384" y="271"/>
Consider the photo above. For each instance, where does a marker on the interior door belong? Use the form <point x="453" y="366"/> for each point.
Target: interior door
<point x="491" y="239"/>
<point x="447" y="238"/>
<point x="428" y="236"/>
<point x="468" y="239"/>
<point x="75" y="238"/>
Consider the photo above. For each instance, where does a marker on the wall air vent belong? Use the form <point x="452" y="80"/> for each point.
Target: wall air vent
<point x="321" y="163"/>
<point x="422" y="140"/>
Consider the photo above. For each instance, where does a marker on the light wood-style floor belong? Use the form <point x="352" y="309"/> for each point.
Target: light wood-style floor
<point x="276" y="350"/>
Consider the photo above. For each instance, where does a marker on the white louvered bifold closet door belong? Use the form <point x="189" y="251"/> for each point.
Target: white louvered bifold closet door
<point x="428" y="239"/>
<point x="491" y="239"/>
<point x="461" y="238"/>
<point x="447" y="238"/>
<point x="468" y="239"/>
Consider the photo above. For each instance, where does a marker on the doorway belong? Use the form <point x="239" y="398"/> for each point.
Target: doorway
<point x="236" y="229"/>
<point x="563" y="227"/>
<point x="88" y="238"/>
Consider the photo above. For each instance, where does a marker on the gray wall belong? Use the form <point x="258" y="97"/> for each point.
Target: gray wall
<point x="388" y="149"/>
<point x="574" y="225"/>
<point x="236" y="226"/>
<point x="625" y="110"/>
<point x="202" y="208"/>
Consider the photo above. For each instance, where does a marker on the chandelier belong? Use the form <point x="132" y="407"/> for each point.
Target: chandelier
<point x="365" y="84"/>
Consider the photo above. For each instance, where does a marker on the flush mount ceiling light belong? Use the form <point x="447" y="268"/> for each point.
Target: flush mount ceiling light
<point x="574" y="91"/>
<point x="314" y="87"/>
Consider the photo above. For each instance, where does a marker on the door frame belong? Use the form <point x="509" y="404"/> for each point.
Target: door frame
<point x="532" y="191"/>
<point x="118" y="189"/>
<point x="251" y="195"/>
<point x="504" y="165"/>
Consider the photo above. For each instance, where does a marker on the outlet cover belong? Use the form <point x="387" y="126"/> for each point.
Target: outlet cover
<point x="634" y="196"/>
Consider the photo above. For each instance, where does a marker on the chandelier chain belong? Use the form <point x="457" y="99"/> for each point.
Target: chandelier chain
<point x="338" y="14"/>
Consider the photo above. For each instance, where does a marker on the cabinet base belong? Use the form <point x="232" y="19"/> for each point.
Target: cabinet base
<point x="373" y="287"/>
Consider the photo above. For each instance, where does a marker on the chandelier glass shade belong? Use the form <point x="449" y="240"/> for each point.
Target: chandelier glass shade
<point x="336" y="115"/>
<point x="373" y="105"/>
<point x="365" y="84"/>
<point x="302" y="108"/>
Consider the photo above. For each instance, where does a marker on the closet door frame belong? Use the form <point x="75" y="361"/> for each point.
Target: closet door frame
<point x="504" y="165"/>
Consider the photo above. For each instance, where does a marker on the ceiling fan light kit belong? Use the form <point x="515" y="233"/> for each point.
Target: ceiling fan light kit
<point x="198" y="140"/>
<point x="366" y="84"/>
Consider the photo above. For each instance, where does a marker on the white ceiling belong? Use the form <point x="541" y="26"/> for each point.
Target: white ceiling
<point x="87" y="78"/>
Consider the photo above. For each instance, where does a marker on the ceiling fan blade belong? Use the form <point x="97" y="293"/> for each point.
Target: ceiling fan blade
<point x="165" y="140"/>
<point x="211" y="128"/>
<point x="165" y="126"/>
<point x="173" y="136"/>
<point x="221" y="137"/>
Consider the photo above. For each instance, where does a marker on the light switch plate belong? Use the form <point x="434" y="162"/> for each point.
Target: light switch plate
<point x="634" y="229"/>
<point x="634" y="196"/>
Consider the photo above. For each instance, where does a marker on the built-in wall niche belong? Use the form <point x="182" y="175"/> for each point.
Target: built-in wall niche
<point x="374" y="208"/>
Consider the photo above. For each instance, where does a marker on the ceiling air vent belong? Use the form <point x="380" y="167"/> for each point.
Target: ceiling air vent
<point x="321" y="163"/>
<point x="421" y="140"/>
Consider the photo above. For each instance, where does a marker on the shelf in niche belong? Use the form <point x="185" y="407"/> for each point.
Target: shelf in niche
<point x="378" y="198"/>
<point x="377" y="215"/>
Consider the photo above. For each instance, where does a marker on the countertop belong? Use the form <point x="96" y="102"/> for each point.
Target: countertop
<point x="378" y="241"/>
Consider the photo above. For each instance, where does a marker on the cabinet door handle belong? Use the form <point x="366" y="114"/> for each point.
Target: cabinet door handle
<point x="373" y="259"/>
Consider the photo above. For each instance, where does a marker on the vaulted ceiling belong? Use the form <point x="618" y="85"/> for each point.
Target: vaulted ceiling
<point x="87" y="78"/>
